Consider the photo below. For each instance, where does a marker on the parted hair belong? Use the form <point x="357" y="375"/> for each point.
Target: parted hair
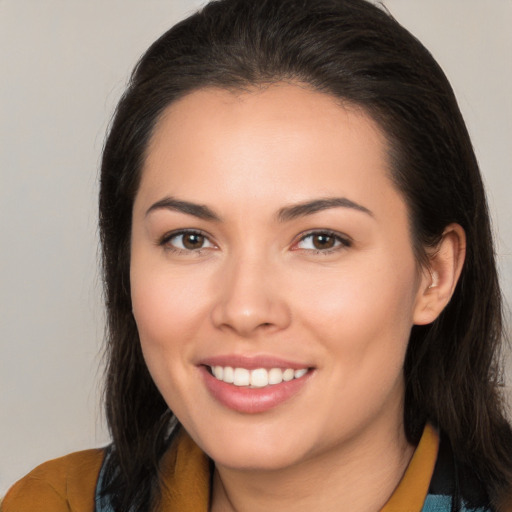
<point x="356" y="52"/>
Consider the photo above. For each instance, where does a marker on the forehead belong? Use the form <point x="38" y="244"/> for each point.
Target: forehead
<point x="287" y="109"/>
<point x="281" y="142"/>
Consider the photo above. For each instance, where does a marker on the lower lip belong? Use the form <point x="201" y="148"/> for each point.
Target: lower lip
<point x="252" y="400"/>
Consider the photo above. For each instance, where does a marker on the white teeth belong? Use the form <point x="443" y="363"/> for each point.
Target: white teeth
<point x="288" y="374"/>
<point x="258" y="378"/>
<point x="275" y="376"/>
<point x="241" y="377"/>
<point x="229" y="375"/>
<point x="218" y="371"/>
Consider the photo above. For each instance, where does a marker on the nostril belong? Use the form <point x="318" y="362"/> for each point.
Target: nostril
<point x="246" y="313"/>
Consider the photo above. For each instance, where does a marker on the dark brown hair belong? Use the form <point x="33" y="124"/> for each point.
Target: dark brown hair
<point x="356" y="52"/>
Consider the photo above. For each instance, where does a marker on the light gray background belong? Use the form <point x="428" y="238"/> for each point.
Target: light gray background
<point x="63" y="66"/>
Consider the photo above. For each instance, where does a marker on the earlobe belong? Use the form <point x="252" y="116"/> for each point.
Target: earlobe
<point x="440" y="278"/>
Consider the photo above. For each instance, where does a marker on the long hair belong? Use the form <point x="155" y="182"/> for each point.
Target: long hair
<point x="356" y="52"/>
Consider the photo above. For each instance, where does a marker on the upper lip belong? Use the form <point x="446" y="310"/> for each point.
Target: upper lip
<point x="252" y="362"/>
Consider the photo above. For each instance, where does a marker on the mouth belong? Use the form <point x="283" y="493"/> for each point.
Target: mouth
<point x="254" y="385"/>
<point x="257" y="377"/>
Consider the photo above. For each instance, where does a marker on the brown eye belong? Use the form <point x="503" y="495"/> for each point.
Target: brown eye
<point x="323" y="241"/>
<point x="193" y="241"/>
<point x="187" y="241"/>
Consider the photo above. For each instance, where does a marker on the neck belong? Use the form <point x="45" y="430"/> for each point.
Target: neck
<point x="359" y="476"/>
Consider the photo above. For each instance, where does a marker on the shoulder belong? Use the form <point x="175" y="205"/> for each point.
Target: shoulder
<point x="64" y="484"/>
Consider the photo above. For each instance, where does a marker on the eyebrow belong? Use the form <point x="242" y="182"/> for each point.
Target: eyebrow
<point x="197" y="210"/>
<point x="308" y="208"/>
<point x="285" y="214"/>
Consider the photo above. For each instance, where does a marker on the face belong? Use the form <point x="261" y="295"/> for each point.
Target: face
<point x="273" y="279"/>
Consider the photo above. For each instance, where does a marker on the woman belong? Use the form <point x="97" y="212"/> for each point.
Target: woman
<point x="300" y="281"/>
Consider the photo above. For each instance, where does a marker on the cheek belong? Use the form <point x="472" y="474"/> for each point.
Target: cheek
<point x="167" y="316"/>
<point x="363" y="321"/>
<point x="167" y="310"/>
<point x="165" y="298"/>
<point x="365" y="313"/>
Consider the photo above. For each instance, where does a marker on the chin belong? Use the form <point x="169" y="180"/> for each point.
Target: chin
<point x="257" y="459"/>
<point x="253" y="449"/>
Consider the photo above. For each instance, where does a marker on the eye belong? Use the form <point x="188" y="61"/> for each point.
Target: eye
<point x="187" y="241"/>
<point x="322" y="241"/>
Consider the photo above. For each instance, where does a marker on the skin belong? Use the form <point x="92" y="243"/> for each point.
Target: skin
<point x="257" y="286"/>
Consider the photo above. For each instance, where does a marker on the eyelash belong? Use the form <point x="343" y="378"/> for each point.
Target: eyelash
<point x="165" y="242"/>
<point x="341" y="242"/>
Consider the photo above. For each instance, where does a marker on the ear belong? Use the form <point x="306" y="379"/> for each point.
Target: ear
<point x="439" y="277"/>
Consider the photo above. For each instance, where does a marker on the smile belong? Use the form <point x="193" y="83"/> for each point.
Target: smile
<point x="256" y="378"/>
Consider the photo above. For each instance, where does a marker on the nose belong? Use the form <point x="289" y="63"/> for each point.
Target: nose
<point x="250" y="299"/>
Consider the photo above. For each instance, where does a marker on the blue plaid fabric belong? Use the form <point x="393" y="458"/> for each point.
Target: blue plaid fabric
<point x="102" y="502"/>
<point x="443" y="503"/>
<point x="454" y="487"/>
